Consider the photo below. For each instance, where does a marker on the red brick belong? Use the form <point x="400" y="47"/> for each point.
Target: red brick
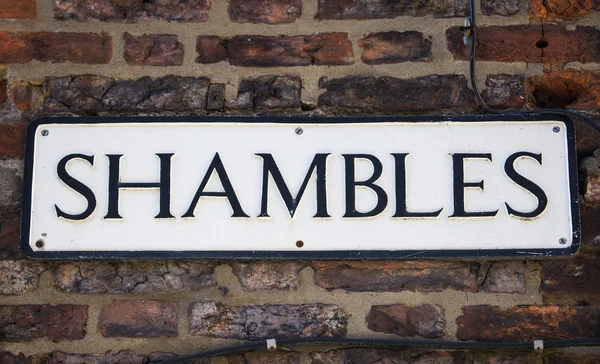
<point x="499" y="7"/>
<point x="548" y="10"/>
<point x="269" y="92"/>
<point x="211" y="49"/>
<point x="395" y="47"/>
<point x="10" y="229"/>
<point x="265" y="11"/>
<point x="572" y="281"/>
<point x="23" y="47"/>
<point x="592" y="189"/>
<point x="21" y="94"/>
<point x="590" y="230"/>
<point x="138" y="319"/>
<point x="10" y="358"/>
<point x="262" y="51"/>
<point x="564" y="89"/>
<point x="527" y="323"/>
<point x="505" y="91"/>
<point x="11" y="184"/>
<point x="18" y="9"/>
<point x="266" y="321"/>
<point x="396" y="276"/>
<point x="121" y="357"/>
<point x="153" y="50"/>
<point x="517" y="43"/>
<point x="28" y="322"/>
<point x="388" y="94"/>
<point x="3" y="91"/>
<point x="570" y="358"/>
<point x="424" y="320"/>
<point x="19" y="276"/>
<point x="132" y="10"/>
<point x="380" y="9"/>
<point x="377" y="356"/>
<point x="133" y="277"/>
<point x="254" y="276"/>
<point x="12" y="139"/>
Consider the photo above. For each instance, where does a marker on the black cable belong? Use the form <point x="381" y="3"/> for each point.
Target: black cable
<point x="473" y="32"/>
<point x="386" y="344"/>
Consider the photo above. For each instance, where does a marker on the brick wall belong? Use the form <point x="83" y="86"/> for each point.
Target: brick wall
<point x="292" y="57"/>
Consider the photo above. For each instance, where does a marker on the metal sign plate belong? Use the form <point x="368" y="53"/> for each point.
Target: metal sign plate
<point x="316" y="188"/>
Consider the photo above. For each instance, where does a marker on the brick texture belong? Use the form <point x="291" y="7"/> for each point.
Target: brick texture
<point x="504" y="277"/>
<point x="138" y="319"/>
<point x="499" y="7"/>
<point x="92" y="94"/>
<point x="505" y="91"/>
<point x="266" y="321"/>
<point x="264" y="51"/>
<point x="395" y="47"/>
<point x="18" y="9"/>
<point x="425" y="320"/>
<point x="254" y="276"/>
<point x="571" y="281"/>
<point x="527" y="323"/>
<point x="121" y="357"/>
<point x="379" y="9"/>
<point x="548" y="10"/>
<point x="564" y="89"/>
<point x="590" y="231"/>
<point x="19" y="276"/>
<point x="23" y="47"/>
<point x="135" y="276"/>
<point x="560" y="358"/>
<point x="373" y="356"/>
<point x="11" y="184"/>
<point x="132" y="10"/>
<point x="268" y="92"/>
<point x="10" y="358"/>
<point x="265" y="11"/>
<point x="387" y="94"/>
<point x="520" y="43"/>
<point x="12" y="139"/>
<point x="28" y="322"/>
<point x="10" y="228"/>
<point x="396" y="276"/>
<point x="153" y="50"/>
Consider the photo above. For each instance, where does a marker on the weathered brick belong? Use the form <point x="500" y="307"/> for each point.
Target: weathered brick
<point x="424" y="320"/>
<point x="592" y="189"/>
<point x="376" y="356"/>
<point x="498" y="358"/>
<point x="11" y="184"/>
<point x="28" y="322"/>
<point x="499" y="7"/>
<point x="254" y="276"/>
<point x="215" y="99"/>
<point x="388" y="94"/>
<point x="10" y="229"/>
<point x="504" y="277"/>
<point x="211" y="49"/>
<point x="268" y="92"/>
<point x="380" y="9"/>
<point x="519" y="43"/>
<point x="23" y="47"/>
<point x="92" y="94"/>
<point x="12" y="139"/>
<point x="548" y="10"/>
<point x="505" y="91"/>
<point x="19" y="276"/>
<point x="3" y="91"/>
<point x="132" y="10"/>
<point x="571" y="281"/>
<point x="590" y="230"/>
<point x="263" y="51"/>
<point x="266" y="321"/>
<point x="265" y="11"/>
<point x="121" y="357"/>
<point x="395" y="47"/>
<point x="570" y="358"/>
<point x="527" y="323"/>
<point x="21" y="94"/>
<point x="396" y="276"/>
<point x="153" y="50"/>
<point x="280" y="357"/>
<point x="18" y="9"/>
<point x="137" y="277"/>
<point x="25" y="102"/>
<point x="564" y="89"/>
<point x="138" y="319"/>
<point x="10" y="358"/>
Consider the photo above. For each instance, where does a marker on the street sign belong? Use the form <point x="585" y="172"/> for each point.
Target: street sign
<point x="310" y="188"/>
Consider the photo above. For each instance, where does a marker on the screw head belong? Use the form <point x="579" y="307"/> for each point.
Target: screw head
<point x="562" y="241"/>
<point x="299" y="243"/>
<point x="299" y="131"/>
<point x="45" y="132"/>
<point x="39" y="243"/>
<point x="556" y="129"/>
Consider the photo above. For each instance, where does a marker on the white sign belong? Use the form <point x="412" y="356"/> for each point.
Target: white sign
<point x="300" y="188"/>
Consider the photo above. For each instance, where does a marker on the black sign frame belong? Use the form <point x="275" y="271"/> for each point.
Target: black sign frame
<point x="300" y="254"/>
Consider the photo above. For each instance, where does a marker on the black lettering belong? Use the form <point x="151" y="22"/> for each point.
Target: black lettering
<point x="401" y="209"/>
<point x="351" y="185"/>
<point x="534" y="189"/>
<point x="76" y="186"/>
<point x="458" y="160"/>
<point x="229" y="192"/>
<point x="319" y="163"/>
<point x="115" y="185"/>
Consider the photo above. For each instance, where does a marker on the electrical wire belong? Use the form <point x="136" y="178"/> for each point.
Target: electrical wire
<point x="387" y="344"/>
<point x="473" y="42"/>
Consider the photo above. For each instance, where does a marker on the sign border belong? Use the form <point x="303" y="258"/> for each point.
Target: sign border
<point x="312" y="255"/>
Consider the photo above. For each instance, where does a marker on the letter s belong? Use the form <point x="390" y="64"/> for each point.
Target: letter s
<point x="76" y="186"/>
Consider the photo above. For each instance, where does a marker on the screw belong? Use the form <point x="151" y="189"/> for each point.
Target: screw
<point x="562" y="241"/>
<point x="45" y="132"/>
<point x="556" y="129"/>
<point x="299" y="243"/>
<point x="39" y="243"/>
<point x="299" y="131"/>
